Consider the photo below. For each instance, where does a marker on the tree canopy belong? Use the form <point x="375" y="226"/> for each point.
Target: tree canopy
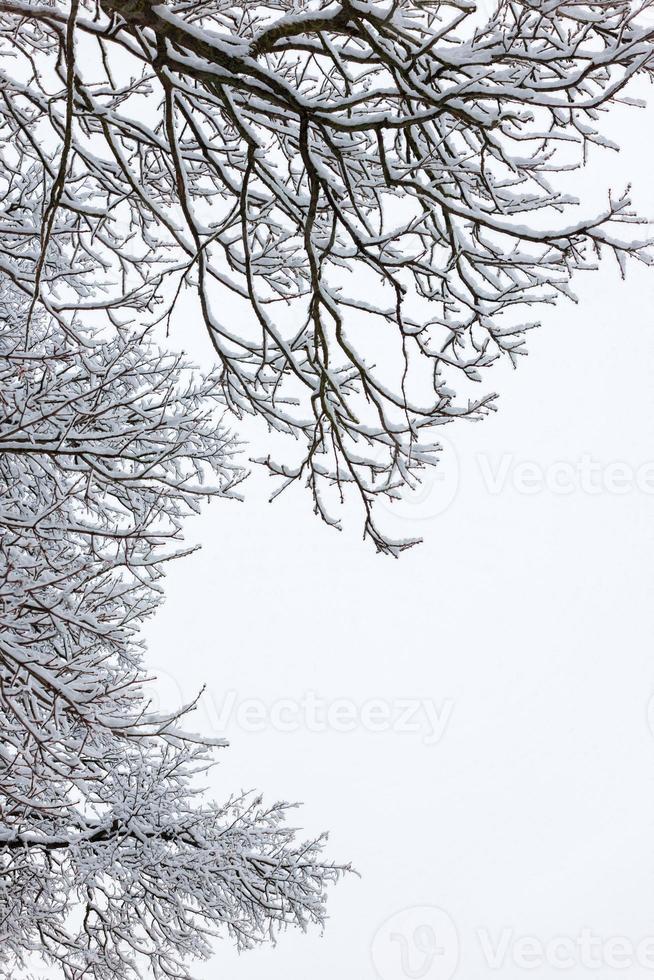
<point x="362" y="202"/>
<point x="375" y="186"/>
<point x="111" y="857"/>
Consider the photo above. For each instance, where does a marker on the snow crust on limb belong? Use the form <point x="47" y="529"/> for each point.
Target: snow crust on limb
<point x="378" y="187"/>
<point x="112" y="859"/>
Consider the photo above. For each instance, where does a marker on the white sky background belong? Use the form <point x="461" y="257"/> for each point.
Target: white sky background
<point x="525" y="616"/>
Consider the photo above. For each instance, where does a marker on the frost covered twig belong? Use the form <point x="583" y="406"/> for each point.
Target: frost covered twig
<point x="110" y="858"/>
<point x="376" y="185"/>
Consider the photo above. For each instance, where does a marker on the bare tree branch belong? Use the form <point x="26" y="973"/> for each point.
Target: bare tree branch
<point x="367" y="195"/>
<point x="110" y="859"/>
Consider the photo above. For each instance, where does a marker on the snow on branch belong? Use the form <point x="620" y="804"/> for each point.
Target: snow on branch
<point x="368" y="196"/>
<point x="110" y="858"/>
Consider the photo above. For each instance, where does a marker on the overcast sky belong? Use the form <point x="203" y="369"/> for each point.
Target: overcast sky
<point x="470" y="722"/>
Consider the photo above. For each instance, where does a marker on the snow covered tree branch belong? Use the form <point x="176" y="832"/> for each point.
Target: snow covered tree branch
<point x="377" y="185"/>
<point x="110" y="857"/>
